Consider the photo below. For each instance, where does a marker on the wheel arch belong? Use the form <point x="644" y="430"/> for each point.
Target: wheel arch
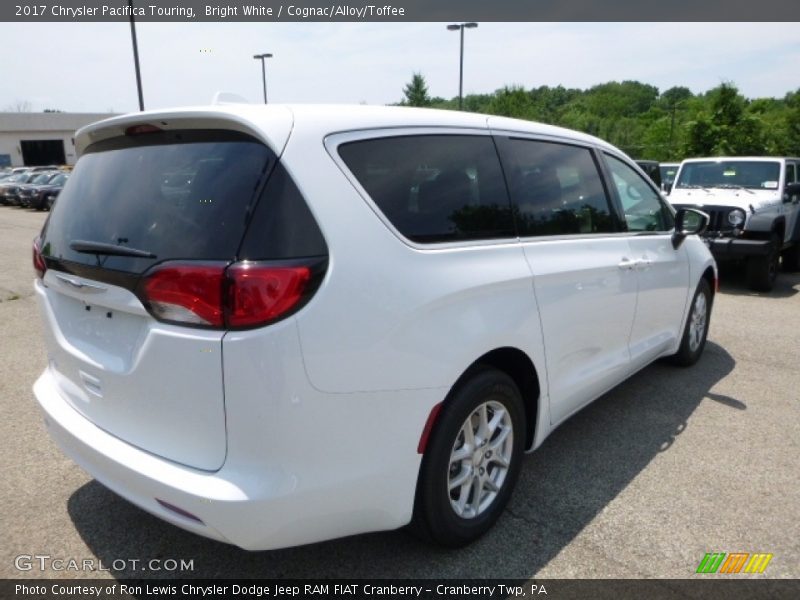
<point x="710" y="276"/>
<point x="516" y="364"/>
<point x="779" y="227"/>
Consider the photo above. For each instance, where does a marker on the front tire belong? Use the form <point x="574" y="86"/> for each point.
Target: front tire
<point x="695" y="332"/>
<point x="472" y="460"/>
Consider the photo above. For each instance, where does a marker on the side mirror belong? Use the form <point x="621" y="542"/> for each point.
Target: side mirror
<point x="688" y="221"/>
<point x="791" y="193"/>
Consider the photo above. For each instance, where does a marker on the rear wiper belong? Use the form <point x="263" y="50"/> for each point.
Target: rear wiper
<point x="108" y="249"/>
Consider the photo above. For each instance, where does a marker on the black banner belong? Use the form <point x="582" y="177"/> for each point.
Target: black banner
<point x="398" y="10"/>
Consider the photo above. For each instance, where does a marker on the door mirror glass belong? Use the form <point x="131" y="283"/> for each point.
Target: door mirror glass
<point x="689" y="221"/>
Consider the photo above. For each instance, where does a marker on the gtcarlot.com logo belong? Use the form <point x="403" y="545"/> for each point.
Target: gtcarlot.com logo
<point x="45" y="562"/>
<point x="735" y="562"/>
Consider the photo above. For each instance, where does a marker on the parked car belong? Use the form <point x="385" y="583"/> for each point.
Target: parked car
<point x="668" y="172"/>
<point x="50" y="198"/>
<point x="34" y="195"/>
<point x="9" y="187"/>
<point x="26" y="193"/>
<point x="753" y="204"/>
<point x="407" y="300"/>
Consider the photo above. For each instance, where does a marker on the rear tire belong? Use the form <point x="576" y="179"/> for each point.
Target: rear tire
<point x="695" y="332"/>
<point x="763" y="270"/>
<point x="472" y="460"/>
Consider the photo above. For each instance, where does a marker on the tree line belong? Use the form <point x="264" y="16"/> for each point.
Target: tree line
<point x="642" y="121"/>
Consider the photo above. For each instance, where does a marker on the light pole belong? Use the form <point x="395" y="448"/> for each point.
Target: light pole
<point x="262" y="58"/>
<point x="460" y="27"/>
<point x="136" y="57"/>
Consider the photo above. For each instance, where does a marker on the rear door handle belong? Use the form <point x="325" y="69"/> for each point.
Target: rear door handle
<point x="643" y="264"/>
<point x="626" y="264"/>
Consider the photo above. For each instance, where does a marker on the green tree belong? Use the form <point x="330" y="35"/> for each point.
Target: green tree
<point x="791" y="125"/>
<point x="512" y="101"/>
<point x="674" y="96"/>
<point x="643" y="122"/>
<point x="726" y="127"/>
<point x="416" y="92"/>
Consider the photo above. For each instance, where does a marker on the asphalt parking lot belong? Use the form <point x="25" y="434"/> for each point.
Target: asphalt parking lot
<point x="671" y="465"/>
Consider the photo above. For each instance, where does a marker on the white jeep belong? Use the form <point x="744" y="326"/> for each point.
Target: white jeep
<point x="753" y="204"/>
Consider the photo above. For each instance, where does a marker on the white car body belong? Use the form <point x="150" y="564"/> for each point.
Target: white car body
<point x="308" y="429"/>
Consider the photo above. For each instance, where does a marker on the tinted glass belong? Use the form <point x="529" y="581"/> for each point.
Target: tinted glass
<point x="668" y="173"/>
<point x="556" y="189"/>
<point x="652" y="170"/>
<point x="178" y="195"/>
<point x="730" y="174"/>
<point x="43" y="178"/>
<point x="282" y="226"/>
<point x="790" y="173"/>
<point x="434" y="188"/>
<point x="59" y="179"/>
<point x="644" y="209"/>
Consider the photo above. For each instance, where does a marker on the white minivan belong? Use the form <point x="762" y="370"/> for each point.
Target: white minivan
<point x="275" y="325"/>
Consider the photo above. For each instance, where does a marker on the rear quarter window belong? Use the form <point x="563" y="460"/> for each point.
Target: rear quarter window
<point x="434" y="188"/>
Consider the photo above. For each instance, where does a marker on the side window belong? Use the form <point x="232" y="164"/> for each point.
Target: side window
<point x="434" y="188"/>
<point x="644" y="208"/>
<point x="791" y="173"/>
<point x="555" y="188"/>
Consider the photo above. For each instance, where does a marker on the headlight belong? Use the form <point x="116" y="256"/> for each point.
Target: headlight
<point x="736" y="217"/>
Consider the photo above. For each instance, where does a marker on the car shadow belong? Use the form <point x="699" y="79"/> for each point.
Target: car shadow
<point x="733" y="283"/>
<point x="584" y="465"/>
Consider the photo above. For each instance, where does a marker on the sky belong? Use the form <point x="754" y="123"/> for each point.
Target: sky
<point x="88" y="67"/>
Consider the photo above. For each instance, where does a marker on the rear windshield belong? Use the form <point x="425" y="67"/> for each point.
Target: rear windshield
<point x="175" y="195"/>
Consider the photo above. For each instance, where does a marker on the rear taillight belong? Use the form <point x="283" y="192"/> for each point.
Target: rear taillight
<point x="38" y="260"/>
<point x="259" y="293"/>
<point x="242" y="295"/>
<point x="186" y="293"/>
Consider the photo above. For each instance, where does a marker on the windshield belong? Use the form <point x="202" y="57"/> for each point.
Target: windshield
<point x="43" y="178"/>
<point x="748" y="174"/>
<point x="668" y="173"/>
<point x="58" y="179"/>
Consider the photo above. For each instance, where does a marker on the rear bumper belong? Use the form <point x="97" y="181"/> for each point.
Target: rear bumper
<point x="134" y="474"/>
<point x="732" y="248"/>
<point x="255" y="502"/>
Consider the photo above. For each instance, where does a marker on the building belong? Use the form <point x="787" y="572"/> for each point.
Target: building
<point x="30" y="139"/>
